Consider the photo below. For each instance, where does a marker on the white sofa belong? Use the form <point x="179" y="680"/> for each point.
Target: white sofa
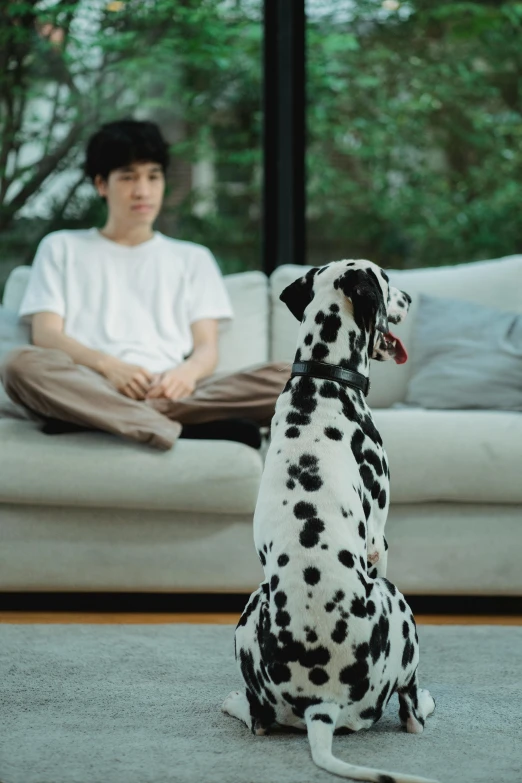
<point x="90" y="512"/>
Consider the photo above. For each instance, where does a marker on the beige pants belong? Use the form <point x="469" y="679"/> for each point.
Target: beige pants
<point x="49" y="384"/>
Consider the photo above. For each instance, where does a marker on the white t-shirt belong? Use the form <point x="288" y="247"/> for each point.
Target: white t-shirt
<point x="136" y="303"/>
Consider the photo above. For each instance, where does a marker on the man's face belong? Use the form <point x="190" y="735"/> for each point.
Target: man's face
<point x="134" y="193"/>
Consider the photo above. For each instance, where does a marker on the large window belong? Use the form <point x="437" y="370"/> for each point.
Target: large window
<point x="413" y="115"/>
<point x="193" y="66"/>
<point x="415" y="131"/>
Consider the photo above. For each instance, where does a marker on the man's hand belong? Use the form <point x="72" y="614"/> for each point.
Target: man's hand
<point x="129" y="379"/>
<point x="174" y="384"/>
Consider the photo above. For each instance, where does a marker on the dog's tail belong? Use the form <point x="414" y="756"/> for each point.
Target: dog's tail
<point x="320" y="723"/>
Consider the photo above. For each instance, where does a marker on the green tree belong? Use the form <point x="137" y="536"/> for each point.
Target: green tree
<point x="66" y="66"/>
<point x="415" y="150"/>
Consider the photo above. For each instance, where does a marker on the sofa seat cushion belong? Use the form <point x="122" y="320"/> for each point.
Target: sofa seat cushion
<point x="461" y="456"/>
<point x="100" y="470"/>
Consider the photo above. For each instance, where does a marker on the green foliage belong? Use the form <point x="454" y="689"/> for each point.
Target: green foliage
<point x="194" y="66"/>
<point x="414" y="122"/>
<point x="415" y="131"/>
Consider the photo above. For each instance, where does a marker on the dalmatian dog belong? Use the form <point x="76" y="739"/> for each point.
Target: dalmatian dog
<point x="326" y="639"/>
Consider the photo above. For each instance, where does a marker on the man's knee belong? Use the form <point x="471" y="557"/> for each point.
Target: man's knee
<point x="22" y="364"/>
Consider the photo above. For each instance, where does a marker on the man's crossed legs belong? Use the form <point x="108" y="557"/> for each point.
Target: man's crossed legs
<point x="49" y="384"/>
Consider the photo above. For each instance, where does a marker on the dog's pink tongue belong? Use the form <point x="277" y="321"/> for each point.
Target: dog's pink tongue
<point x="401" y="354"/>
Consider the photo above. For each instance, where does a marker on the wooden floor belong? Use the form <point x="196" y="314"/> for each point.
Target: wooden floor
<point x="221" y="619"/>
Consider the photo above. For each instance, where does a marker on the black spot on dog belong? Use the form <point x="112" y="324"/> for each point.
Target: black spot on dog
<point x="379" y="638"/>
<point x="262" y="558"/>
<point x="329" y="607"/>
<point x="391" y="587"/>
<point x="370" y="608"/>
<point x="329" y="390"/>
<point x="283" y="560"/>
<point x="367" y="476"/>
<point x="373" y="459"/>
<point x="282" y="618"/>
<point x="319" y="317"/>
<point x="297" y="418"/>
<point x="310" y="483"/>
<point x="358" y="607"/>
<point x="382" y="498"/>
<point x="308" y="339"/>
<point x="339" y="596"/>
<point x="405" y="630"/>
<point x="356" y="675"/>
<point x="292" y="432"/>
<point x="386" y="547"/>
<point x="274" y="582"/>
<point x="368" y="586"/>
<point x="366" y="508"/>
<point x="300" y="703"/>
<point x="322" y="717"/>
<point x="333" y="433"/>
<point x="362" y="530"/>
<point x="311" y="637"/>
<point x="309" y="461"/>
<point x="303" y="395"/>
<point x="303" y="510"/>
<point x="407" y="655"/>
<point x="340" y="631"/>
<point x="318" y="676"/>
<point x="248" y="610"/>
<point x="311" y="575"/>
<point x="334" y="308"/>
<point x="280" y="599"/>
<point x="330" y="328"/>
<point x="279" y="672"/>
<point x="344" y="513"/>
<point x="290" y="484"/>
<point x="320" y="352"/>
<point x="402" y="605"/>
<point x="309" y="536"/>
<point x="346" y="558"/>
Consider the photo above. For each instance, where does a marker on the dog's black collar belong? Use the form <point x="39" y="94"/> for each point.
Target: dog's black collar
<point x="333" y="372"/>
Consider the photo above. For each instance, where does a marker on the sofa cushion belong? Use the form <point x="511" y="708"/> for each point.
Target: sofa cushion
<point x="461" y="456"/>
<point x="13" y="334"/>
<point x="465" y="355"/>
<point x="494" y="283"/>
<point x="99" y="470"/>
<point x="248" y="293"/>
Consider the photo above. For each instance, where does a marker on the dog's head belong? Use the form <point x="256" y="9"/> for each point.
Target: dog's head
<point x="366" y="287"/>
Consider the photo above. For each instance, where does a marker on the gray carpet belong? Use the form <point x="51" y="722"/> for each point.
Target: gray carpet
<point x="140" y="704"/>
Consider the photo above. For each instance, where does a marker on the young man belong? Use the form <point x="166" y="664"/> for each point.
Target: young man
<point x="125" y="320"/>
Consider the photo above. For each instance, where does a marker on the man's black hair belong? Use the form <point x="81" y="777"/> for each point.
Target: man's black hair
<point x="121" y="143"/>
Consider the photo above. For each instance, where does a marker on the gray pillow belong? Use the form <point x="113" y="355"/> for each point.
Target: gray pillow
<point x="465" y="355"/>
<point x="13" y="334"/>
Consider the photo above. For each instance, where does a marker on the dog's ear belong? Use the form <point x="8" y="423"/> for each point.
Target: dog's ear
<point x="362" y="287"/>
<point x="298" y="295"/>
